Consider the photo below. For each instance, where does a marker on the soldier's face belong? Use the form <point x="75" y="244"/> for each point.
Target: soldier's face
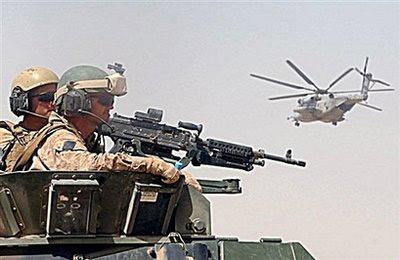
<point x="41" y="99"/>
<point x="102" y="103"/>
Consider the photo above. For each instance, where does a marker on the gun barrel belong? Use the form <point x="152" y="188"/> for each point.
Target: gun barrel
<point x="288" y="160"/>
<point x="285" y="160"/>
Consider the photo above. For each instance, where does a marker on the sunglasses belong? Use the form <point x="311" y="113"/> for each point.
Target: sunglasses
<point x="44" y="97"/>
<point x="104" y="100"/>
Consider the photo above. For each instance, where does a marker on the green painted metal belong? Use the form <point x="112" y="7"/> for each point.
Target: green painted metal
<point x="124" y="215"/>
<point x="231" y="250"/>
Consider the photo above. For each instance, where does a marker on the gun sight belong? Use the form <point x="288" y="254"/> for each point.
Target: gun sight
<point x="153" y="115"/>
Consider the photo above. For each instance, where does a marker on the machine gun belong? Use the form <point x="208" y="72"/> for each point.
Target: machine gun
<point x="144" y="135"/>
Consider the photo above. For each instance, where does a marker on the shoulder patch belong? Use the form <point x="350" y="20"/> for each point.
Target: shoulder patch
<point x="68" y="145"/>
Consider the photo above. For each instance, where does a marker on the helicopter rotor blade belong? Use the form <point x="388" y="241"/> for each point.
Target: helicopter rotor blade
<point x="345" y="91"/>
<point x="367" y="105"/>
<point x="358" y="91"/>
<point x="280" y="82"/>
<point x="365" y="65"/>
<point x="359" y="71"/>
<point x="380" y="81"/>
<point x="298" y="71"/>
<point x="381" y="89"/>
<point x="339" y="78"/>
<point x="290" y="96"/>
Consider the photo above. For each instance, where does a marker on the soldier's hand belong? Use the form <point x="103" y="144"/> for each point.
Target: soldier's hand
<point x="190" y="180"/>
<point x="154" y="166"/>
<point x="166" y="170"/>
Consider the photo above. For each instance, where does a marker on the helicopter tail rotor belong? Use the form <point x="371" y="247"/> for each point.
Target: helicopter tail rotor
<point x="359" y="71"/>
<point x="367" y="77"/>
<point x="364" y="72"/>
<point x="365" y="65"/>
<point x="380" y="82"/>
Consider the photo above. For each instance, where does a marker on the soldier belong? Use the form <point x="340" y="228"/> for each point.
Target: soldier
<point x="32" y="95"/>
<point x="84" y="98"/>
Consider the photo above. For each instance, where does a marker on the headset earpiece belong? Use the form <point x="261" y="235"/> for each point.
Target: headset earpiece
<point x="19" y="101"/>
<point x="73" y="102"/>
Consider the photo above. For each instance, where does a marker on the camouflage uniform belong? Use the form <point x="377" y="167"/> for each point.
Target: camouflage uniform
<point x="6" y="136"/>
<point x="64" y="149"/>
<point x="13" y="139"/>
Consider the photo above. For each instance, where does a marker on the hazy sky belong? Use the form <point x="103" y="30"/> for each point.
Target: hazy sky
<point x="193" y="61"/>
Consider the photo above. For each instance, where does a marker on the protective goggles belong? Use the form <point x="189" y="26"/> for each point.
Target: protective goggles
<point x="104" y="99"/>
<point x="44" y="97"/>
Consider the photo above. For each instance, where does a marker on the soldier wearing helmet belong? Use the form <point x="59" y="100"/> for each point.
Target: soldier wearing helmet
<point x="84" y="98"/>
<point x="32" y="95"/>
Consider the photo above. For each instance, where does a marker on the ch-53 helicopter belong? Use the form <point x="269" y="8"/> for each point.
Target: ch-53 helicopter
<point x="322" y="104"/>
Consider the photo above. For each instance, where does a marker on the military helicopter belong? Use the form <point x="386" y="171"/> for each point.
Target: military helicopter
<point x="322" y="104"/>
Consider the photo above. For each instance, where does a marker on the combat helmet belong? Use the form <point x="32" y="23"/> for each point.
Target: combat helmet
<point x="26" y="81"/>
<point x="34" y="77"/>
<point x="81" y="73"/>
<point x="78" y="81"/>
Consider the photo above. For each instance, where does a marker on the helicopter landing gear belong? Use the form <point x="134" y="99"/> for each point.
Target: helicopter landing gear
<point x="294" y="119"/>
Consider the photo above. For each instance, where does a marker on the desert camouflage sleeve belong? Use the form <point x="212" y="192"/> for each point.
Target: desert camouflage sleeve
<point x="5" y="137"/>
<point x="64" y="150"/>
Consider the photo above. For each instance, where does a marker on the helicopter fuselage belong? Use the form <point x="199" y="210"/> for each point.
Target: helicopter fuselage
<point x="325" y="108"/>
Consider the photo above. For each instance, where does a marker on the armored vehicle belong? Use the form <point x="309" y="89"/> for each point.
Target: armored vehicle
<point x="118" y="215"/>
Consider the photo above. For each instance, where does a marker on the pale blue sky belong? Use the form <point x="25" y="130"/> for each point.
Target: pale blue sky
<point x="193" y="61"/>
